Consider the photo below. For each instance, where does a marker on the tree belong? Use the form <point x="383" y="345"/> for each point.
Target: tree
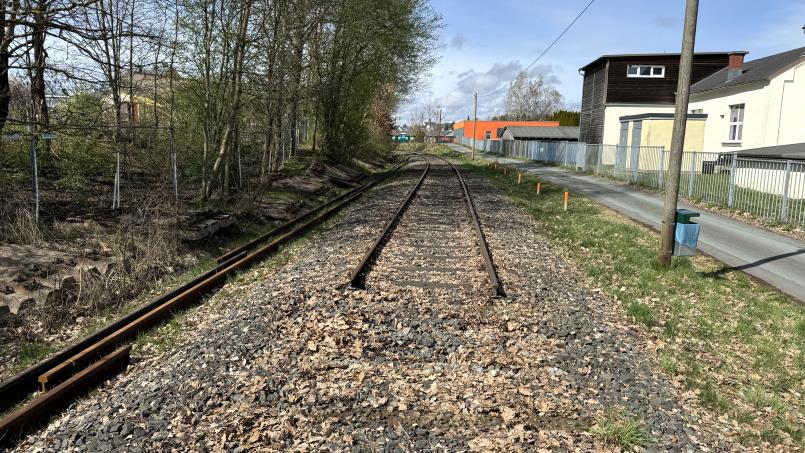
<point x="566" y="117"/>
<point x="531" y="100"/>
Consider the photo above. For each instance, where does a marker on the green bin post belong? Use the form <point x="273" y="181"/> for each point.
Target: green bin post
<point x="683" y="217"/>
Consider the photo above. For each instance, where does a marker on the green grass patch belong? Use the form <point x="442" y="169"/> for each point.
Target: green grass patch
<point x="616" y="427"/>
<point x="720" y="332"/>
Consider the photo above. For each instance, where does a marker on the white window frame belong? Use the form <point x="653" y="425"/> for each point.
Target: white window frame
<point x="650" y="75"/>
<point x="738" y="124"/>
<point x="488" y="135"/>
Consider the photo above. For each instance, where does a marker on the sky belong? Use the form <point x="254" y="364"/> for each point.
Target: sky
<point x="484" y="44"/>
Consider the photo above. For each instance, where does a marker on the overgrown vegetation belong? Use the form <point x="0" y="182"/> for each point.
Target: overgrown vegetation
<point x="735" y="344"/>
<point x="618" y="428"/>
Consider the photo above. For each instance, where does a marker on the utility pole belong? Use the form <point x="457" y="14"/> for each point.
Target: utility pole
<point x="678" y="134"/>
<point x="439" y="130"/>
<point x="474" y="122"/>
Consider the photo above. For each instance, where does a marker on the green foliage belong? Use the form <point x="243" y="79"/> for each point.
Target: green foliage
<point x="618" y="428"/>
<point x="566" y="117"/>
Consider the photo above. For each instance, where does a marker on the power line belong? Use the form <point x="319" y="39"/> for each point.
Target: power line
<point x="578" y="16"/>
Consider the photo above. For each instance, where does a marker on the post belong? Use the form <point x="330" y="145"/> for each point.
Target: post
<point x="734" y="168"/>
<point x="474" y="123"/>
<point x="34" y="180"/>
<point x="786" y="189"/>
<point x="692" y="174"/>
<point x="174" y="169"/>
<point x="567" y="196"/>
<point x="678" y="134"/>
<point x="439" y="131"/>
<point x="662" y="167"/>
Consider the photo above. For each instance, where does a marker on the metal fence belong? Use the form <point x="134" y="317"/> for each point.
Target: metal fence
<point x="771" y="189"/>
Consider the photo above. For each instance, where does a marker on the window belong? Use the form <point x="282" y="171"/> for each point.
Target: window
<point x="736" y="122"/>
<point x="488" y="135"/>
<point x="635" y="70"/>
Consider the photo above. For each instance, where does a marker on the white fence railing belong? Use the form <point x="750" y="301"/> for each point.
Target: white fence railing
<point x="765" y="188"/>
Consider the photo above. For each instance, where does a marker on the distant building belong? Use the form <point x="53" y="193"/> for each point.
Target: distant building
<point x="493" y="130"/>
<point x="542" y="133"/>
<point x="622" y="85"/>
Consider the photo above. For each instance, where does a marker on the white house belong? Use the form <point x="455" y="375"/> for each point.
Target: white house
<point x="753" y="104"/>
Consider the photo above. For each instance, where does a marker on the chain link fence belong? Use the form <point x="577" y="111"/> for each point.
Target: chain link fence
<point x="83" y="172"/>
<point x="772" y="189"/>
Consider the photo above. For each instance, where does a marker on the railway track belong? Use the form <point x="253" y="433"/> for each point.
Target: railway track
<point x="78" y="368"/>
<point x="433" y="241"/>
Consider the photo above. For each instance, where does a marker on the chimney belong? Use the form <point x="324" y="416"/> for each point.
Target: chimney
<point x="735" y="65"/>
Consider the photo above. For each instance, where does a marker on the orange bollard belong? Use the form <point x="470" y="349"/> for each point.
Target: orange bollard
<point x="567" y="195"/>
<point x="539" y="188"/>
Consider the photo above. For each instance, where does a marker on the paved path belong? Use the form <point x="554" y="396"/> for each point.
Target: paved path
<point x="776" y="259"/>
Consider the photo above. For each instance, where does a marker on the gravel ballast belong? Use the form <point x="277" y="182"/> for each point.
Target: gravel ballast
<point x="297" y="361"/>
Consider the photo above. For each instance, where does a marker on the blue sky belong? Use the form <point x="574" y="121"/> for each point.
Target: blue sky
<point x="485" y="44"/>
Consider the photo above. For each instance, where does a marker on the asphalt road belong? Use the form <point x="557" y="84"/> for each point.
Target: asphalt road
<point x="776" y="259"/>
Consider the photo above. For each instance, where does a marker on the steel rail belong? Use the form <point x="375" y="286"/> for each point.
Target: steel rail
<point x="40" y="409"/>
<point x="497" y="287"/>
<point x="287" y="226"/>
<point x="61" y="368"/>
<point x="357" y="278"/>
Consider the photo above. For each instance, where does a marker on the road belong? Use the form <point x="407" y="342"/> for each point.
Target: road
<point x="776" y="259"/>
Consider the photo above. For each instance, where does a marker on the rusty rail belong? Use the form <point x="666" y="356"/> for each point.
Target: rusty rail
<point x="74" y="368"/>
<point x="40" y="409"/>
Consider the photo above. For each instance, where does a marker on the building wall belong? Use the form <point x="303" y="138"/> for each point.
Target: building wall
<point x="657" y="132"/>
<point x="774" y="113"/>
<point x="591" y="118"/>
<point x="623" y="89"/>
<point x="613" y="114"/>
<point x="493" y="126"/>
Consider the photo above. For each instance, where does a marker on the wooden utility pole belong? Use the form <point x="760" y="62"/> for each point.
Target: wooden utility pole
<point x="678" y="134"/>
<point x="439" y="130"/>
<point x="474" y="122"/>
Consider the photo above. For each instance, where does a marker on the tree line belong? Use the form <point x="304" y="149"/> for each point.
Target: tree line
<point x="214" y="71"/>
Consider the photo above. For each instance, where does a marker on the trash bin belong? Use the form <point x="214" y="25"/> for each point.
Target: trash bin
<point x="686" y="236"/>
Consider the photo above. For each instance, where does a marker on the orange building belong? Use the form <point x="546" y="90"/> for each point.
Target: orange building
<point x="489" y="129"/>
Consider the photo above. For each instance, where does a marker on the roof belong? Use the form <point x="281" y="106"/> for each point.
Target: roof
<point x="661" y="116"/>
<point x="550" y="132"/>
<point x="654" y="55"/>
<point x="792" y="151"/>
<point x="761" y="69"/>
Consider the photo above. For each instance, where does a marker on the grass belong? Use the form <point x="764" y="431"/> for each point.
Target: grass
<point x="618" y="428"/>
<point x="720" y="334"/>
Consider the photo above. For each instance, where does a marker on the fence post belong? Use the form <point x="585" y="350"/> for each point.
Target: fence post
<point x="692" y="174"/>
<point x="34" y="180"/>
<point x="174" y="169"/>
<point x="786" y="188"/>
<point x="635" y="162"/>
<point x="662" y="167"/>
<point x="731" y="196"/>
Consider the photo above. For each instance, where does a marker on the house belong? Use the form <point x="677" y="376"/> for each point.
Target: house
<point x="492" y="130"/>
<point x="543" y="133"/>
<point x="753" y="104"/>
<point x="631" y="84"/>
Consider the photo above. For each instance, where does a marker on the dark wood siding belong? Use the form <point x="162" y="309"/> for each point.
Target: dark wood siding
<point x="623" y="89"/>
<point x="591" y="121"/>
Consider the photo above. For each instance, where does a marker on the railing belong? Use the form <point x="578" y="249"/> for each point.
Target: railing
<point x="765" y="188"/>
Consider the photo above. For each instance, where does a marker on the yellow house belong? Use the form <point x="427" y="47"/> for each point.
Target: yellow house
<point x="654" y="129"/>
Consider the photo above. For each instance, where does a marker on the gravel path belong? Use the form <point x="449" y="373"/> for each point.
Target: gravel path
<point x="296" y="364"/>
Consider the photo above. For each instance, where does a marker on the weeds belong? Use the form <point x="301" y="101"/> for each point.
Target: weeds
<point x="723" y="334"/>
<point x="617" y="427"/>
